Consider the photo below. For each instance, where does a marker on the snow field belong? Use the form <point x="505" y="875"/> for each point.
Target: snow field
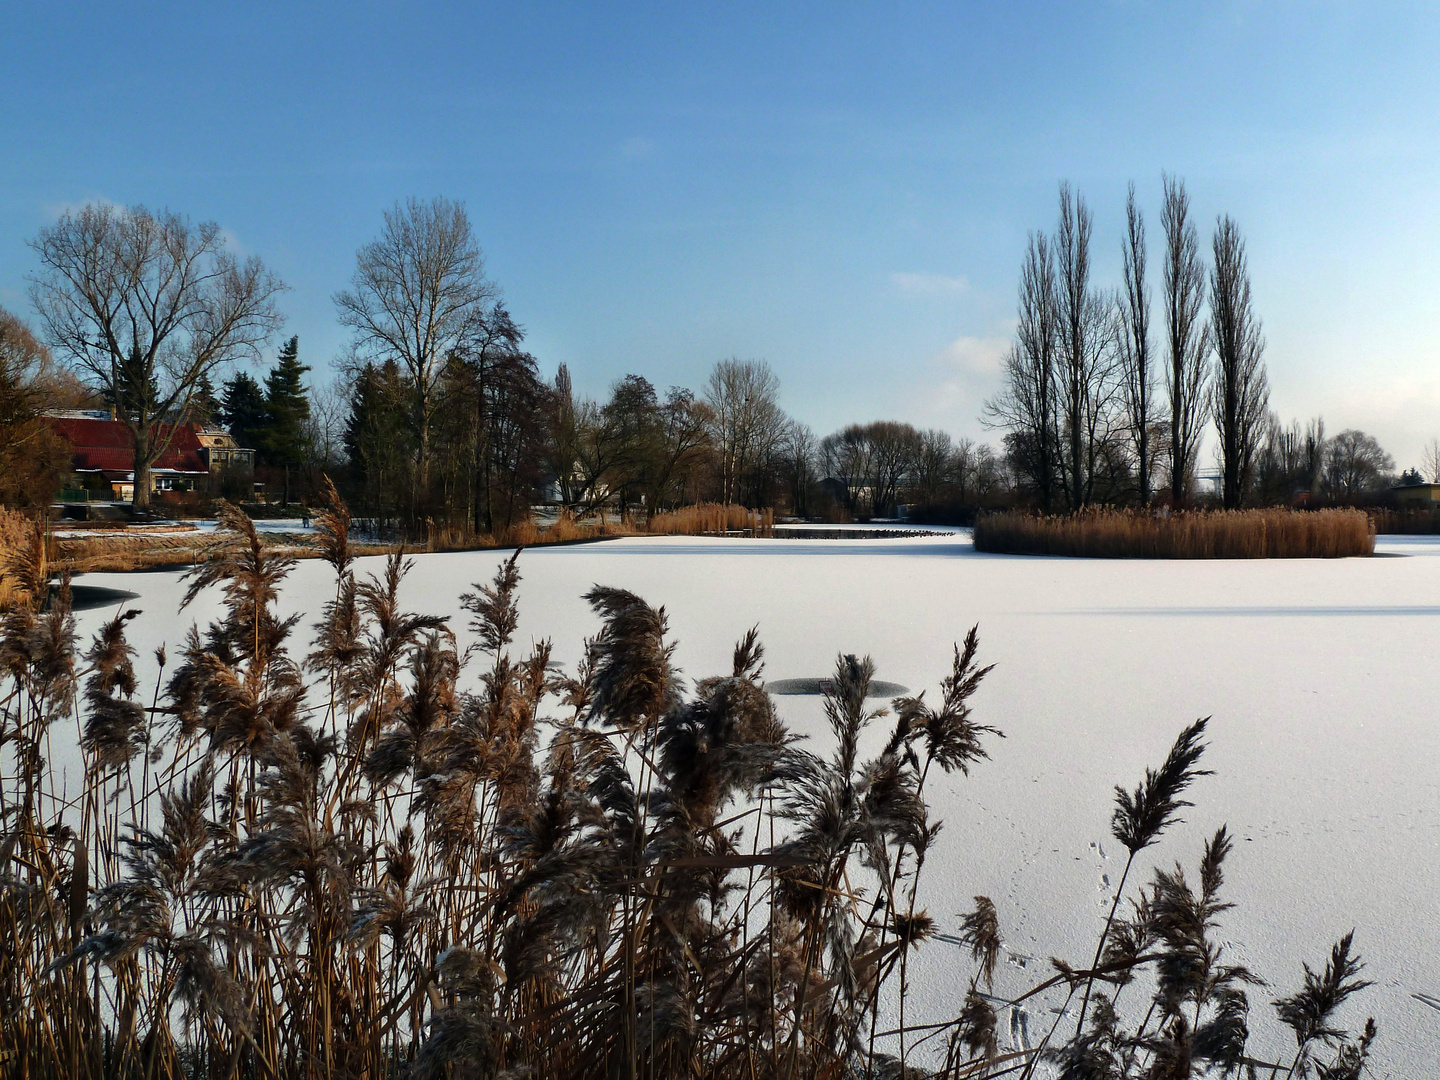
<point x="1318" y="674"/>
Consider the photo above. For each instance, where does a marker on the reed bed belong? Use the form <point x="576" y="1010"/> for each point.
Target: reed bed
<point x="19" y="537"/>
<point x="703" y="519"/>
<point x="1411" y="521"/>
<point x="1206" y="534"/>
<point x="387" y="855"/>
<point x="713" y="519"/>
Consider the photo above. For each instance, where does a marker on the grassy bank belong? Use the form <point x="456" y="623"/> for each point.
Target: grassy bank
<point x="1240" y="534"/>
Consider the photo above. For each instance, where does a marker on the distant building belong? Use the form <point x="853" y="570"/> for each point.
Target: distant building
<point x="104" y="454"/>
<point x="1422" y="495"/>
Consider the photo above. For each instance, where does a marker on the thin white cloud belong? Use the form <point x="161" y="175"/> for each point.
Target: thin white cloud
<point x="56" y="210"/>
<point x="930" y="285"/>
<point x="970" y="371"/>
<point x="233" y="243"/>
<point x="976" y="355"/>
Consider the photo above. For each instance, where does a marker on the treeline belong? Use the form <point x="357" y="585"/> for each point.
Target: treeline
<point x="438" y="416"/>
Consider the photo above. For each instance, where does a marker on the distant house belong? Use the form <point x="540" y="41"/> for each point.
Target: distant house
<point x="1422" y="495"/>
<point x="104" y="454"/>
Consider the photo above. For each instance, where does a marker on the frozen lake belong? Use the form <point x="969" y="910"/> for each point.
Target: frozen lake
<point x="1320" y="677"/>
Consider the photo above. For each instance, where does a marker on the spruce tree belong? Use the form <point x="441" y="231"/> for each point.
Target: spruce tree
<point x="243" y="410"/>
<point x="205" y="406"/>
<point x="287" y="409"/>
<point x="132" y="393"/>
<point x="377" y="439"/>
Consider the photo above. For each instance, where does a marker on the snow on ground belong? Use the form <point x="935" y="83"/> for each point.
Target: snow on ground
<point x="1319" y="675"/>
<point x="202" y="525"/>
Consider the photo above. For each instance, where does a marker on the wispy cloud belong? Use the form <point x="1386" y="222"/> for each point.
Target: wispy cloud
<point x="930" y="285"/>
<point x="233" y="243"/>
<point x="969" y="370"/>
<point x="976" y="355"/>
<point x="56" y="210"/>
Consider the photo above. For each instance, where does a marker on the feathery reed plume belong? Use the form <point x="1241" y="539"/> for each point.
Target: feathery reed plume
<point x="1141" y="817"/>
<point x="1190" y="973"/>
<point x="980" y="933"/>
<point x="332" y="525"/>
<point x="494" y="607"/>
<point x="1309" y="1012"/>
<point x="115" y="727"/>
<point x="632" y="681"/>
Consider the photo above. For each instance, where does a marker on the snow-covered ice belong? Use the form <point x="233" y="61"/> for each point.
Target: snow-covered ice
<point x="1320" y="677"/>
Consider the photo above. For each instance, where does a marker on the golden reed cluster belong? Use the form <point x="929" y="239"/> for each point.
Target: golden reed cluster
<point x="1198" y="534"/>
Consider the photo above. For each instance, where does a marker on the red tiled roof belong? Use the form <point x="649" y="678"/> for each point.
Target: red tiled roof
<point x="107" y="445"/>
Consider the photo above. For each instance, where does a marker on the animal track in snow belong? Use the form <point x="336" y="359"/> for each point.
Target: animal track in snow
<point x="1020" y="1028"/>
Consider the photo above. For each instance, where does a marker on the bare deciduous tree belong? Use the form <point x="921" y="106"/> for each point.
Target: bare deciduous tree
<point x="1313" y="457"/>
<point x="845" y="460"/>
<point x="894" y="451"/>
<point x="1027" y="405"/>
<point x="747" y="422"/>
<point x="800" y="454"/>
<point x="1240" y="394"/>
<point x="976" y="470"/>
<point x="1431" y="460"/>
<point x="1356" y="465"/>
<point x="1134" y="309"/>
<point x="149" y="301"/>
<point x="564" y="445"/>
<point x="1086" y="368"/>
<point x="1187" y="336"/>
<point x="419" y="292"/>
<point x="934" y="466"/>
<point x="325" y="432"/>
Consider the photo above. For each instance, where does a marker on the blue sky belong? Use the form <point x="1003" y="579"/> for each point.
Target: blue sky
<point x="841" y="190"/>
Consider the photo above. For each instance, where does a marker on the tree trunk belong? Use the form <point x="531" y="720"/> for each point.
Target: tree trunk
<point x="144" y="458"/>
<point x="422" y="489"/>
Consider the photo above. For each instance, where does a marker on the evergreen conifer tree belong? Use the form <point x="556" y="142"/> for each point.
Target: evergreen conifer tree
<point x="131" y="393"/>
<point x="243" y="410"/>
<point x="205" y="406"/>
<point x="287" y="408"/>
<point x="377" y="438"/>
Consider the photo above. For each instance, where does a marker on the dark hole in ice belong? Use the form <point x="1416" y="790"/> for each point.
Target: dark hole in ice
<point x="90" y="597"/>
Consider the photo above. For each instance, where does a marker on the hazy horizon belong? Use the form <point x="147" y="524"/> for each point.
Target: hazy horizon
<point x="843" y="193"/>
